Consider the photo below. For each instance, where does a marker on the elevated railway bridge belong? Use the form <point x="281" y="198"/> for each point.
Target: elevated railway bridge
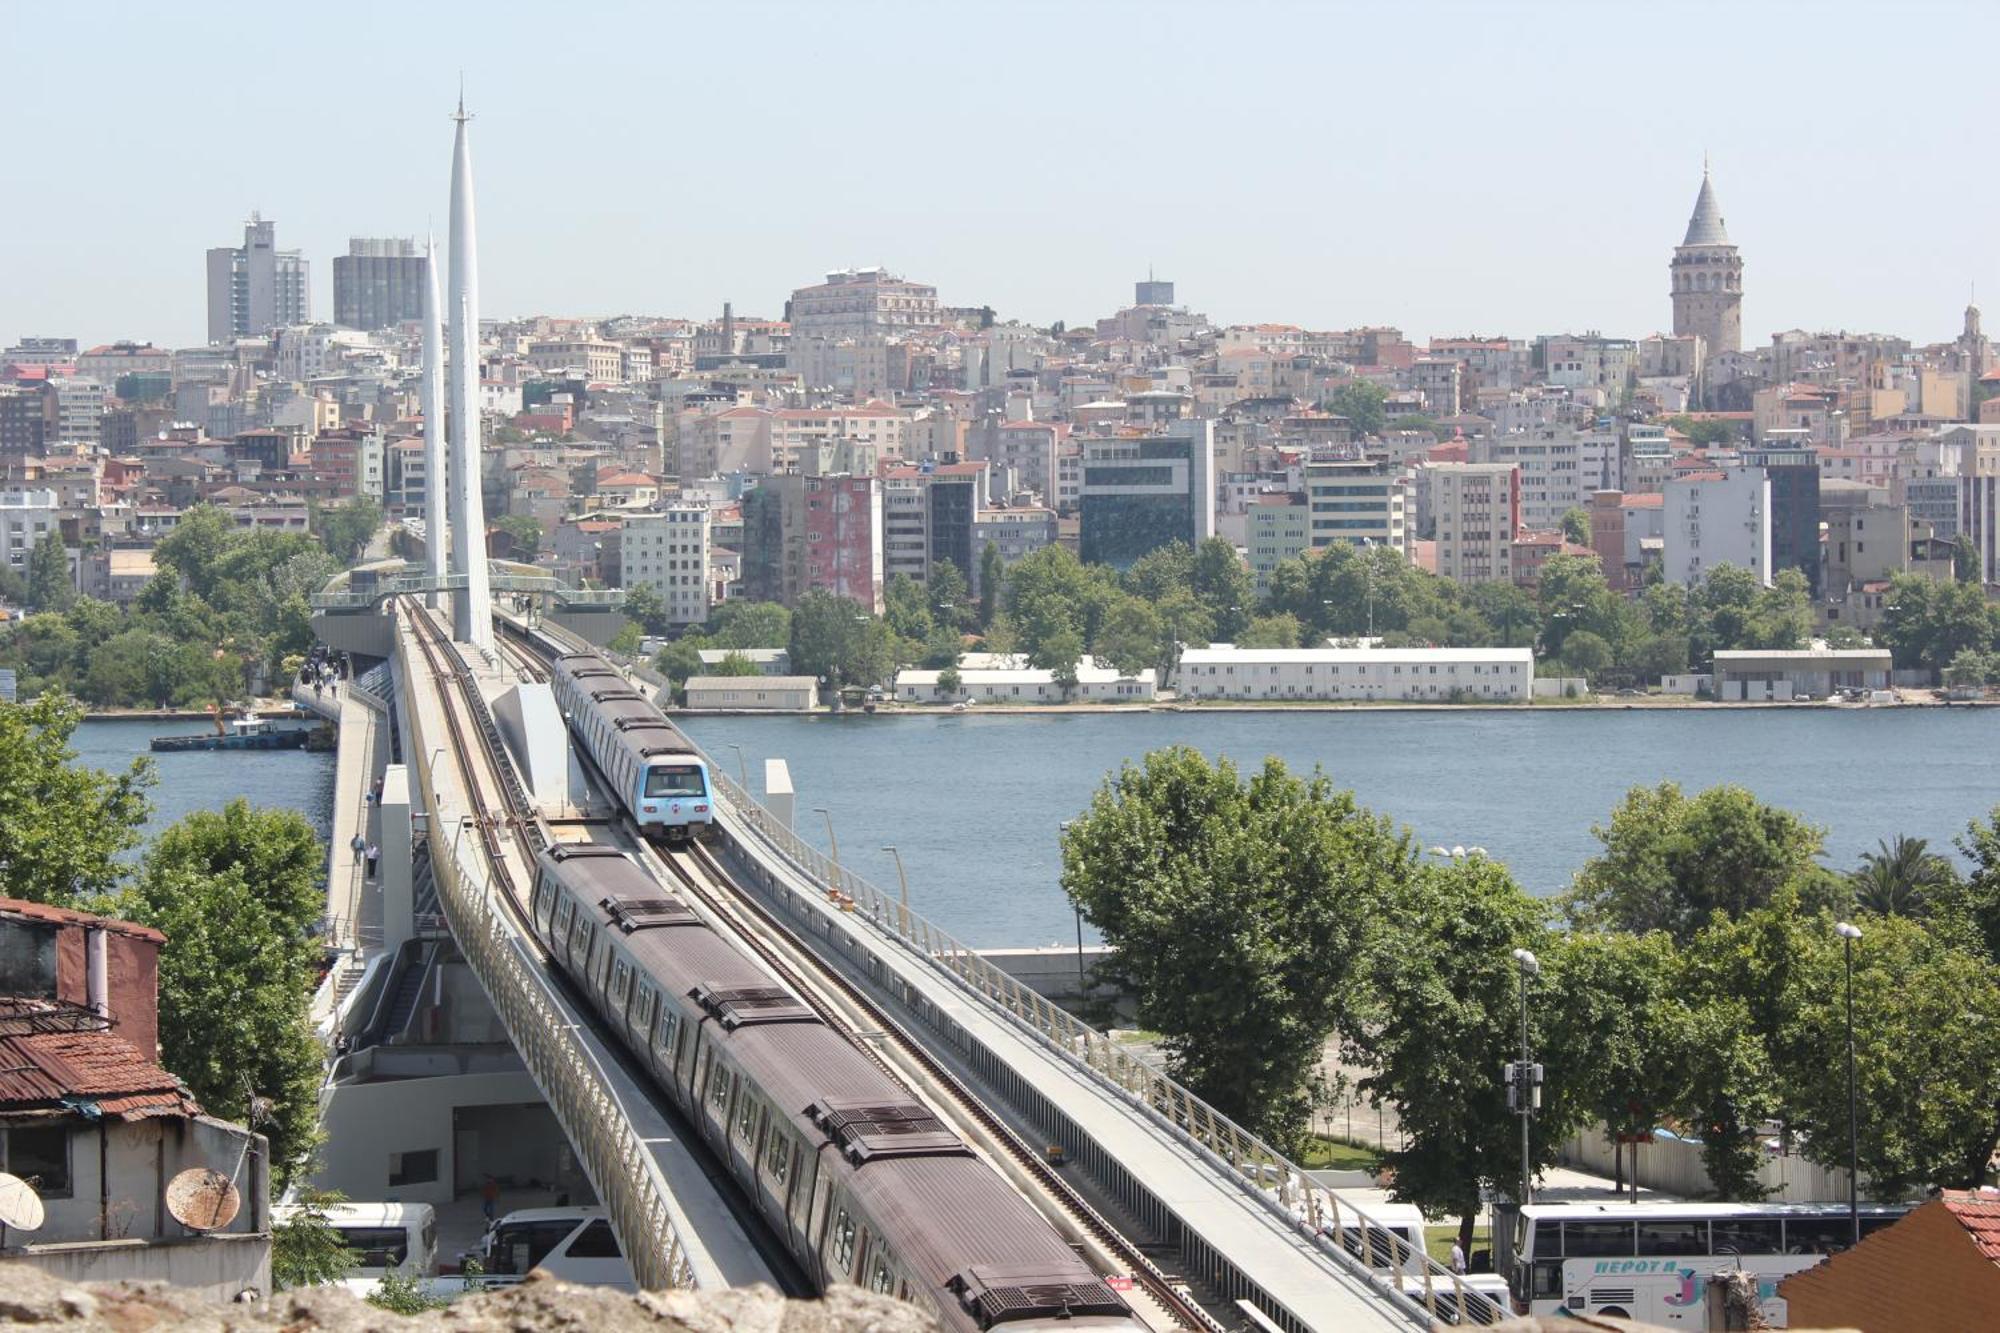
<point x="1207" y="1225"/>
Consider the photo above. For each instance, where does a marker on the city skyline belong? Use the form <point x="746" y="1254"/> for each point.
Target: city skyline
<point x="1432" y="195"/>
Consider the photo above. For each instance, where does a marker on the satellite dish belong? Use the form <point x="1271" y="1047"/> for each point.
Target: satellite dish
<point x="202" y="1200"/>
<point x="20" y="1206"/>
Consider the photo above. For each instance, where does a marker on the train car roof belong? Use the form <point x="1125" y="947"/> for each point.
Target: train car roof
<point x="939" y="1214"/>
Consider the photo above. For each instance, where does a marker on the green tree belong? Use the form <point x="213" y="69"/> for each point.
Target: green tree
<point x="1438" y="1018"/>
<point x="1703" y="432"/>
<point x="526" y="532"/>
<point x="1965" y="558"/>
<point x="1587" y="654"/>
<point x="949" y="595"/>
<point x="1900" y="878"/>
<point x="1234" y="908"/>
<point x="1360" y="401"/>
<point x="50" y="586"/>
<point x="1927" y="624"/>
<point x="1060" y="654"/>
<point x="992" y="577"/>
<point x="949" y="682"/>
<point x="1576" y="525"/>
<point x="234" y="989"/>
<point x="276" y="853"/>
<point x="834" y="639"/>
<point x="345" y="529"/>
<point x="63" y="827"/>
<point x="1221" y="581"/>
<point x="735" y="664"/>
<point x="1783" y="615"/>
<point x="193" y="550"/>
<point x="628" y="640"/>
<point x="1129" y="639"/>
<point x="1669" y="860"/>
<point x="644" y="607"/>
<point x="13" y="588"/>
<point x="906" y="610"/>
<point x="1969" y="907"/>
<point x="679" y="660"/>
<point x="307" y="1250"/>
<point x="403" y="1294"/>
<point x="1274" y="631"/>
<point x="750" y="625"/>
<point x="1161" y="572"/>
<point x="1968" y="669"/>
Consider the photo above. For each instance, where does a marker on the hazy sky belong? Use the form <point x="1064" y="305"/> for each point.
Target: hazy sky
<point x="1449" y="168"/>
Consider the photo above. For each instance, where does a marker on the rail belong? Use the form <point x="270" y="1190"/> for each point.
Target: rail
<point x="348" y="597"/>
<point x="1338" y="1227"/>
<point x="478" y="898"/>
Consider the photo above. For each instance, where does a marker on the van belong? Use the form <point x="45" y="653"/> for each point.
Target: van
<point x="386" y="1238"/>
<point x="1388" y="1224"/>
<point x="575" y="1244"/>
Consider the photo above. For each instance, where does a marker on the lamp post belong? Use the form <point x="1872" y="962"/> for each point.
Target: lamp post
<point x="832" y="842"/>
<point x="903" y="884"/>
<point x="742" y="768"/>
<point x="1848" y="934"/>
<point x="1524" y="1090"/>
<point x="1082" y="983"/>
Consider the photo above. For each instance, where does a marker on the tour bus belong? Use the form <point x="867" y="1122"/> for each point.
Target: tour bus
<point x="1651" y="1262"/>
<point x="385" y="1237"/>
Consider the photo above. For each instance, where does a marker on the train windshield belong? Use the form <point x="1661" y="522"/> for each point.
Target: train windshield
<point x="675" y="780"/>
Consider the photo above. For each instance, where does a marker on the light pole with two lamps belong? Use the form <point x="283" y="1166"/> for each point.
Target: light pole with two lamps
<point x="1849" y="933"/>
<point x="1525" y="1083"/>
<point x="902" y="884"/>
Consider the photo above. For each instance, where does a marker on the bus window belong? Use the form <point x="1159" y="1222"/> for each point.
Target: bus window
<point x="1548" y="1240"/>
<point x="1746" y="1235"/>
<point x="1586" y="1240"/>
<point x="1817" y="1235"/>
<point x="1665" y="1236"/>
<point x="596" y="1242"/>
<point x="376" y="1247"/>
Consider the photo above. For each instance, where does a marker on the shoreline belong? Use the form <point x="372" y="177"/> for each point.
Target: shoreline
<point x="1605" y="705"/>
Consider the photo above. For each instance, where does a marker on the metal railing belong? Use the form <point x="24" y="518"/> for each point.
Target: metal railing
<point x="1337" y="1227"/>
<point x="348" y="598"/>
<point x="547" y="1034"/>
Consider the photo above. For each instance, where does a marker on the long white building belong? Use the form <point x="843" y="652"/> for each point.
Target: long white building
<point x="1418" y="675"/>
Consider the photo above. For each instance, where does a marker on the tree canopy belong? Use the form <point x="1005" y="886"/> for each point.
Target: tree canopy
<point x="63" y="827"/>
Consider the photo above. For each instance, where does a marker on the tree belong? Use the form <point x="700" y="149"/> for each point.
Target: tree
<point x="1360" y="401"/>
<point x="1586" y="653"/>
<point x="1669" y="860"/>
<point x="234" y="989"/>
<point x="1965" y="558"/>
<point x="50" y="585"/>
<point x="525" y="531"/>
<point x="992" y="574"/>
<point x="835" y="639"/>
<point x="13" y="588"/>
<point x="345" y="529"/>
<point x="194" y="549"/>
<point x="735" y="664"/>
<point x="1970" y="907"/>
<point x="1222" y="583"/>
<point x="63" y="827"/>
<point x="1576" y="525"/>
<point x="905" y="609"/>
<point x="1927" y="624"/>
<point x="950" y="597"/>
<point x="1899" y="878"/>
<point x="1060" y="654"/>
<point x="1234" y="908"/>
<point x="307" y="1250"/>
<point x="628" y="640"/>
<point x="644" y="606"/>
<point x="949" y="682"/>
<point x="750" y="625"/>
<point x="1276" y="631"/>
<point x="1129" y="639"/>
<point x="1968" y="669"/>
<point x="679" y="660"/>
<point x="1437" y="1018"/>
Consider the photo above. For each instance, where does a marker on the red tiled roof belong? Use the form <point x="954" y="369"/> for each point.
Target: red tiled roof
<point x="63" y="916"/>
<point x="51" y="1070"/>
<point x="1978" y="1211"/>
<point x="1652" y="501"/>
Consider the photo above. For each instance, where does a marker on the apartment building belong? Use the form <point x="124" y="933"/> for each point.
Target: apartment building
<point x="1277" y="527"/>
<point x="1356" y="500"/>
<point x="667" y="550"/>
<point x="1720" y="517"/>
<point x="1477" y="510"/>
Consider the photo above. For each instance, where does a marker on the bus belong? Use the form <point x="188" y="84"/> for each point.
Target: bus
<point x="1652" y="1262"/>
<point x="385" y="1238"/>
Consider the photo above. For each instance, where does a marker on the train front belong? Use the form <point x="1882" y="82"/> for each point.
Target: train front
<point x="674" y="799"/>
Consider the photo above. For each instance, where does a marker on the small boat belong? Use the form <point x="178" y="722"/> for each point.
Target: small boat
<point x="243" y="733"/>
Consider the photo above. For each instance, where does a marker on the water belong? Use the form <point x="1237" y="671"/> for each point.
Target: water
<point x="974" y="801"/>
<point x="208" y="780"/>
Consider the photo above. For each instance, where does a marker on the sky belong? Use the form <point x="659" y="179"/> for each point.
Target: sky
<point x="1448" y="168"/>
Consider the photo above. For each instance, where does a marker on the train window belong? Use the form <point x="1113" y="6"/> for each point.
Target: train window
<point x="880" y="1278"/>
<point x="663" y="1041"/>
<point x="564" y="911"/>
<point x="746" y="1118"/>
<point x="718" y="1092"/>
<point x="780" y="1155"/>
<point x="621" y="979"/>
<point x="674" y="780"/>
<point x="842" y="1242"/>
<point x="649" y="1003"/>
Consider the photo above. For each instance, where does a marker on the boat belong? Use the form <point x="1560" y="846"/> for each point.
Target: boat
<point x="243" y="733"/>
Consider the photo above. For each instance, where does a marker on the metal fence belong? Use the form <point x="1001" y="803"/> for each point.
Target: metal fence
<point x="1339" y="1227"/>
<point x="547" y="1034"/>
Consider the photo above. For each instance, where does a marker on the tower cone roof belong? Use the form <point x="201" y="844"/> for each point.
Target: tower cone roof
<point x="1705" y="226"/>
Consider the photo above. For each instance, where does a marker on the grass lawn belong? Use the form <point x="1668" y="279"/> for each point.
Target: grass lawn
<point x="1324" y="1154"/>
<point x="1438" y="1237"/>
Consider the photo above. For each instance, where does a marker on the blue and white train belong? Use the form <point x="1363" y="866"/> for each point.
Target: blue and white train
<point x="656" y="774"/>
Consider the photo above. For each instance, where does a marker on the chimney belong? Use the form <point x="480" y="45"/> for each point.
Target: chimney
<point x="97" y="971"/>
<point x="728" y="329"/>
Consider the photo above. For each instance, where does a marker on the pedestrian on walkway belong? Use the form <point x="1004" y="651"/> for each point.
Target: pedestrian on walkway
<point x="376" y="791"/>
<point x="1457" y="1256"/>
<point x="489" y="1198"/>
<point x="358" y="845"/>
<point x="374" y="855"/>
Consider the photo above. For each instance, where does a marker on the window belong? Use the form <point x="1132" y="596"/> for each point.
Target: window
<point x="39" y="1156"/>
<point x="1746" y="1235"/>
<point x="598" y="1241"/>
<point x="842" y="1237"/>
<point x="1584" y="1240"/>
<point x="1817" y="1235"/>
<point x="377" y="1247"/>
<point x="413" y="1168"/>
<point x="1688" y="1236"/>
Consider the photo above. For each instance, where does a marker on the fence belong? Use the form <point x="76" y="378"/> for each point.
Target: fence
<point x="1673" y="1166"/>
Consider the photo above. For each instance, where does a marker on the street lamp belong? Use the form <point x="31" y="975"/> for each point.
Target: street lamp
<point x="831" y="842"/>
<point x="902" y="883"/>
<point x="1848" y="934"/>
<point x="1524" y="1075"/>
<point x="742" y="768"/>
<point x="1082" y="983"/>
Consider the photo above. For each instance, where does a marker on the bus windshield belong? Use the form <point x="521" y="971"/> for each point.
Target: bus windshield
<point x="675" y="780"/>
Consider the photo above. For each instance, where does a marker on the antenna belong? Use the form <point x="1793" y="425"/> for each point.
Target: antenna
<point x="20" y="1205"/>
<point x="202" y="1200"/>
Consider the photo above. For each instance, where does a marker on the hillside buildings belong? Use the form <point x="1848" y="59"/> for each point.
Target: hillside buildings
<point x="255" y="287"/>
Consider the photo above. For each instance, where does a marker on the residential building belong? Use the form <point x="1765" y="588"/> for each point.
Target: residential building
<point x="1713" y="518"/>
<point x="804" y="533"/>
<point x="668" y="551"/>
<point x="1476" y="508"/>
<point x="598" y="361"/>
<point x="22" y="428"/>
<point x="256" y="287"/>
<point x="1794" y="512"/>
<point x="1432" y="675"/>
<point x="1936" y="1267"/>
<point x="906" y="525"/>
<point x="1867" y="545"/>
<point x="1277" y="528"/>
<point x="1143" y="492"/>
<point x="99" y="1130"/>
<point x="1560" y="469"/>
<point x="76" y="421"/>
<point x="1532" y="550"/>
<point x="1014" y="533"/>
<point x="1707" y="278"/>
<point x="858" y="303"/>
<point x="26" y="517"/>
<point x="379" y="283"/>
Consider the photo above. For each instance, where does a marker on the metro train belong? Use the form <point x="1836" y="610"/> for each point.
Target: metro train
<point x="657" y="775"/>
<point x="862" y="1183"/>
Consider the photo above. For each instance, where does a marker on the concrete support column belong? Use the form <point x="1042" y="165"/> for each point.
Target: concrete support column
<point x="397" y="878"/>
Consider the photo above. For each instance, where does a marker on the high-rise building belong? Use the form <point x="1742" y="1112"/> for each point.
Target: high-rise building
<point x="1707" y="277"/>
<point x="256" y="286"/>
<point x="859" y="303"/>
<point x="814" y="532"/>
<point x="1356" y="500"/>
<point x="1152" y="292"/>
<point x="1142" y="494"/>
<point x="1716" y="518"/>
<point x="667" y="551"/>
<point x="378" y="283"/>
<point x="1477" y="507"/>
<point x="1795" y="519"/>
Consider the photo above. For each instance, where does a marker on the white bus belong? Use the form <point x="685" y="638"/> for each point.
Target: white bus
<point x="1652" y="1262"/>
<point x="385" y="1237"/>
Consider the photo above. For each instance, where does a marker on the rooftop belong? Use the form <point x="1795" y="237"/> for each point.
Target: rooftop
<point x="1978" y="1211"/>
